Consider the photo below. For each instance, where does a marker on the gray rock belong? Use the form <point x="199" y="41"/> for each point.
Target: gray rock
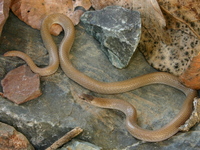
<point x="58" y="109"/>
<point x="194" y="118"/>
<point x="117" y="29"/>
<point x="79" y="145"/>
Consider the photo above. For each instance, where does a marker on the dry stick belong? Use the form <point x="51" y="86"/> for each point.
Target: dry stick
<point x="67" y="137"/>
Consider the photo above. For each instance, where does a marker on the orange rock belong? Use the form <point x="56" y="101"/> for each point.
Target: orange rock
<point x="21" y="85"/>
<point x="10" y="139"/>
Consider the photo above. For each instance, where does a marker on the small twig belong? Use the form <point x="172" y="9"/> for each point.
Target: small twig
<point x="67" y="137"/>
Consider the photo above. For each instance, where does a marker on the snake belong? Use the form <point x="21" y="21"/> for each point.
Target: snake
<point x="50" y="46"/>
<point x="61" y="57"/>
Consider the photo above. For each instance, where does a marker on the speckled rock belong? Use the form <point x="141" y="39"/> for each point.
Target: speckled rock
<point x="117" y="29"/>
<point x="58" y="109"/>
<point x="10" y="139"/>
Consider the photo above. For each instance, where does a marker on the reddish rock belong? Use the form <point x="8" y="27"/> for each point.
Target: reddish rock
<point x="21" y="85"/>
<point x="5" y="8"/>
<point x="10" y="139"/>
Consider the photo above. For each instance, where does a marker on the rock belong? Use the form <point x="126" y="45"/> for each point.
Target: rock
<point x="117" y="29"/>
<point x="21" y="85"/>
<point x="7" y="64"/>
<point x="194" y="118"/>
<point x="10" y="139"/>
<point x="2" y="72"/>
<point x="5" y="8"/>
<point x="58" y="109"/>
<point x="79" y="145"/>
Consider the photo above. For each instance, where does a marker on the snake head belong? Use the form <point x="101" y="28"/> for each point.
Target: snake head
<point x="86" y="97"/>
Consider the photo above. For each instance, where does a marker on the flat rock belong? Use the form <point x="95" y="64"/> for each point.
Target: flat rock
<point x="117" y="29"/>
<point x="21" y="85"/>
<point x="80" y="145"/>
<point x="10" y="139"/>
<point x="58" y="109"/>
<point x="4" y="7"/>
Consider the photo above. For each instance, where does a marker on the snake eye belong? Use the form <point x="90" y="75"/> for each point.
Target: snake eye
<point x="86" y="97"/>
<point x="83" y="98"/>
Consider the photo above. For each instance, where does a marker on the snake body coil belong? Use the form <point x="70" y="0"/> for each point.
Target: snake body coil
<point x="108" y="88"/>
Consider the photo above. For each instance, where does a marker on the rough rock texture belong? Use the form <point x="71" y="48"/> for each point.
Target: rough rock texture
<point x="117" y="29"/>
<point x="10" y="139"/>
<point x="58" y="109"/>
<point x="21" y="85"/>
<point x="194" y="118"/>
<point x="79" y="145"/>
<point x="4" y="11"/>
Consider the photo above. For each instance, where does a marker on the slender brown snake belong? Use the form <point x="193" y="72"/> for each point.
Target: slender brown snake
<point x="108" y="88"/>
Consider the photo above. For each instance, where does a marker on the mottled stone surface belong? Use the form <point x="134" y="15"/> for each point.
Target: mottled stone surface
<point x="58" y="109"/>
<point x="194" y="118"/>
<point x="117" y="29"/>
<point x="4" y="7"/>
<point x="10" y="139"/>
<point x="79" y="145"/>
<point x="21" y="85"/>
